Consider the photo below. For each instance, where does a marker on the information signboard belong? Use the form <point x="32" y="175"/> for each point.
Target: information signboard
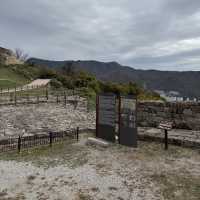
<point x="106" y="116"/>
<point x="128" y="121"/>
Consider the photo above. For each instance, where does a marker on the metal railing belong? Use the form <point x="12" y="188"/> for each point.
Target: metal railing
<point x="25" y="142"/>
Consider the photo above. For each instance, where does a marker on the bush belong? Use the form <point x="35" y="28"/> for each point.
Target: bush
<point x="55" y="83"/>
<point x="47" y="73"/>
<point x="68" y="78"/>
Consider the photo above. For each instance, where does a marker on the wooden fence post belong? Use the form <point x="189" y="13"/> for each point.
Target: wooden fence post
<point x="27" y="98"/>
<point x="87" y="105"/>
<point x="65" y="98"/>
<point x="166" y="139"/>
<point x="47" y="94"/>
<point x="10" y="97"/>
<point x="57" y="98"/>
<point x="50" y="138"/>
<point x="77" y="134"/>
<point x="38" y="100"/>
<point x="15" y="99"/>
<point x="19" y="144"/>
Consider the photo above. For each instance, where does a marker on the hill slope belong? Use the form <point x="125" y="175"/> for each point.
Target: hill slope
<point x="187" y="83"/>
<point x="16" y="75"/>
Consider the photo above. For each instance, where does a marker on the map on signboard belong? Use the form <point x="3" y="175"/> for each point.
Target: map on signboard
<point x="107" y="112"/>
<point x="128" y="112"/>
<point x="166" y="125"/>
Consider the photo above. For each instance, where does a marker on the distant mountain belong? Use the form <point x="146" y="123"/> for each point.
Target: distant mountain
<point x="186" y="83"/>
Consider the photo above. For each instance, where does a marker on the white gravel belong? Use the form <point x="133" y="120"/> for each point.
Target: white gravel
<point x="114" y="173"/>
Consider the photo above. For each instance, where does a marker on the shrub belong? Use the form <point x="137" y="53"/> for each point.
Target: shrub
<point x="55" y="83"/>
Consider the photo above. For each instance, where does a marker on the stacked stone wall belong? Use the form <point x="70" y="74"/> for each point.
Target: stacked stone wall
<point x="184" y="115"/>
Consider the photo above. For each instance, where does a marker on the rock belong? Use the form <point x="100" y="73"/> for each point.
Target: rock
<point x="97" y="142"/>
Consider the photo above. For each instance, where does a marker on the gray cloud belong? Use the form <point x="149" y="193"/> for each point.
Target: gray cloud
<point x="182" y="7"/>
<point x="159" y="34"/>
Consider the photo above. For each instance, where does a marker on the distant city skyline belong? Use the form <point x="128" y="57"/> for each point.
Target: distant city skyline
<point x="156" y="34"/>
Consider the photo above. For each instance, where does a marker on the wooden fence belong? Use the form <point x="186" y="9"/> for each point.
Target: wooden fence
<point x="26" y="142"/>
<point x="43" y="95"/>
<point x="17" y="99"/>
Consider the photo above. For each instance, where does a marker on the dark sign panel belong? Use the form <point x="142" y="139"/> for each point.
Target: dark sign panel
<point x="106" y="115"/>
<point x="128" y="121"/>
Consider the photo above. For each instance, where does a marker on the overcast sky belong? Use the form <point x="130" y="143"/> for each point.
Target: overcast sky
<point x="158" y="34"/>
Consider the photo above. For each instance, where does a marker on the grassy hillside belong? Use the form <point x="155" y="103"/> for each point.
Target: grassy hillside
<point x="6" y="83"/>
<point x="66" y="77"/>
<point x="17" y="75"/>
<point x="9" y="78"/>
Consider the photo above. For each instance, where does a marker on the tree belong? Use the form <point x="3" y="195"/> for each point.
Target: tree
<point x="68" y="69"/>
<point x="21" y="55"/>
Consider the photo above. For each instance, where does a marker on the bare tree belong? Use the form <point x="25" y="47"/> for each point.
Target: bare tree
<point x="21" y="55"/>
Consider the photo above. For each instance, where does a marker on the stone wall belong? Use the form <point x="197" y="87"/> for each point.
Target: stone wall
<point x="184" y="115"/>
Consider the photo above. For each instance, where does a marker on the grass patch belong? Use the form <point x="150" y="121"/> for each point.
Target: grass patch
<point x="9" y="73"/>
<point x="5" y="83"/>
<point x="63" y="153"/>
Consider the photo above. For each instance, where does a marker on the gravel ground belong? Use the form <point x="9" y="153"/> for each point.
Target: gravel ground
<point x="39" y="118"/>
<point x="81" y="172"/>
<point x="35" y="119"/>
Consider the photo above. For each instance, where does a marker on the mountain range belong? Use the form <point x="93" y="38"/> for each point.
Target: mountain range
<point x="187" y="83"/>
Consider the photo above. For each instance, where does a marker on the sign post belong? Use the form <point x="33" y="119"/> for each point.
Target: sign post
<point x="166" y="126"/>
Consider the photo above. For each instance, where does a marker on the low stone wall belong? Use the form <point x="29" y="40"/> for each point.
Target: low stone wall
<point x="184" y="115"/>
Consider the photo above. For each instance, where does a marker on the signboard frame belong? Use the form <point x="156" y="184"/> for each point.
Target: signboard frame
<point x="128" y="128"/>
<point x="104" y="129"/>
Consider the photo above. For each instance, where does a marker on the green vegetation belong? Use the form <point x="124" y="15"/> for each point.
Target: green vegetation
<point x="67" y="77"/>
<point x="5" y="83"/>
<point x="17" y="75"/>
<point x="88" y="85"/>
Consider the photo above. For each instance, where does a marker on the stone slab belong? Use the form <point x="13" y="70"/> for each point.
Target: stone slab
<point x="97" y="142"/>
